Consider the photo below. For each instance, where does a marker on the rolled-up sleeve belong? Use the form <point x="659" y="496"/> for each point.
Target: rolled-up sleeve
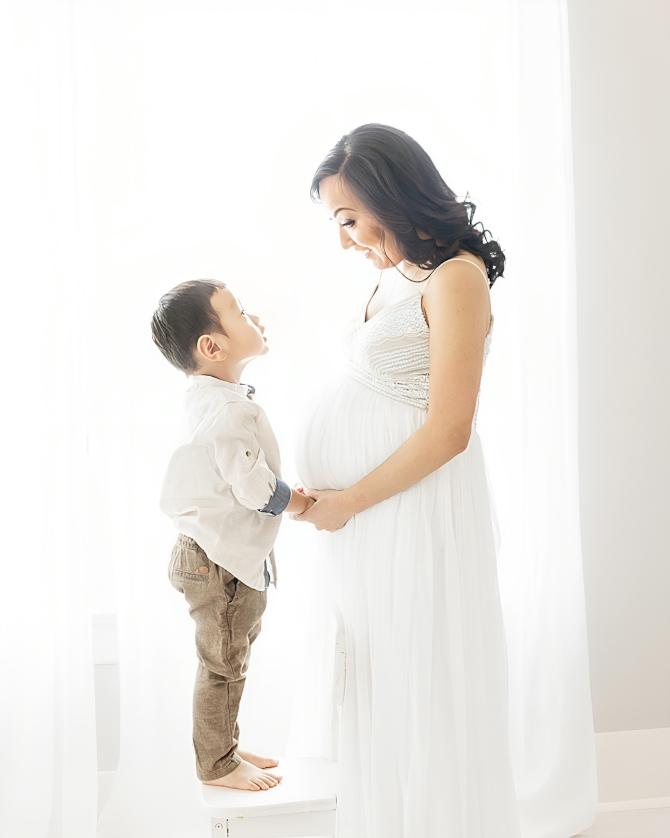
<point x="279" y="500"/>
<point x="241" y="460"/>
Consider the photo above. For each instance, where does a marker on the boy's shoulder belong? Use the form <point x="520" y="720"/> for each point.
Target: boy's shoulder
<point x="205" y="390"/>
<point x="218" y="408"/>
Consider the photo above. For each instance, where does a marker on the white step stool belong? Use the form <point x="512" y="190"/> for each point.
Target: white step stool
<point x="303" y="805"/>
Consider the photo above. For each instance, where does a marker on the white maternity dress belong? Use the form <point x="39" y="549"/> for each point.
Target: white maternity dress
<point x="424" y="748"/>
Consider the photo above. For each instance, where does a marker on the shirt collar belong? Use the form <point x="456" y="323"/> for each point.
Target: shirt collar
<point x="210" y="381"/>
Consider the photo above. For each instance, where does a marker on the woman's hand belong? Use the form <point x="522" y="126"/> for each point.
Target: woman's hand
<point x="331" y="511"/>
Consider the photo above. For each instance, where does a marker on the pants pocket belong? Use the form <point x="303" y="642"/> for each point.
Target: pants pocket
<point x="189" y="564"/>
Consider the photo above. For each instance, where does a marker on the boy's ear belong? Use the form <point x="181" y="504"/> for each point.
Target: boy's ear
<point x="210" y="349"/>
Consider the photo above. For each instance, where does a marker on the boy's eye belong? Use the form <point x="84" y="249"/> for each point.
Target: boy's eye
<point x="348" y="224"/>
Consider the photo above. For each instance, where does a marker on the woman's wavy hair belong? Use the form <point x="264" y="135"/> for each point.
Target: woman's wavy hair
<point x="398" y="183"/>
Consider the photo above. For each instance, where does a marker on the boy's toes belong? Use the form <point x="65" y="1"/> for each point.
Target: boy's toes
<point x="261" y="782"/>
<point x="258" y="760"/>
<point x="247" y="777"/>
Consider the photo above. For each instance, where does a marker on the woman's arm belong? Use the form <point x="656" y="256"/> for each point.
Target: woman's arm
<point x="457" y="309"/>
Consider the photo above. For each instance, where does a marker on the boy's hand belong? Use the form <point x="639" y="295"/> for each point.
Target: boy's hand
<point x="331" y="511"/>
<point x="299" y="503"/>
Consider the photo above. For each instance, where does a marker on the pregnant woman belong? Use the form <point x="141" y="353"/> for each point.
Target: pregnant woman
<point x="393" y="456"/>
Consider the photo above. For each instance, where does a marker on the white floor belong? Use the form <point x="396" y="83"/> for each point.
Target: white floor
<point x="642" y="823"/>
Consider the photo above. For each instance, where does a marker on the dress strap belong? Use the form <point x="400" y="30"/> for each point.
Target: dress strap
<point x="456" y="259"/>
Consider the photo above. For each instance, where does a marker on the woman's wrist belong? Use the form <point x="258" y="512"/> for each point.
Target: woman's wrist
<point x="352" y="501"/>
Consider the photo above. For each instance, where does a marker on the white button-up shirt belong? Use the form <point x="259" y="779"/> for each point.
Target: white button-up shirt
<point x="225" y="471"/>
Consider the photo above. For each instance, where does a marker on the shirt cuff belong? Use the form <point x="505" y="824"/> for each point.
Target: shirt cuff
<point x="279" y="500"/>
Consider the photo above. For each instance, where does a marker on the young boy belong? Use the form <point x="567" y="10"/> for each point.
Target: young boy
<point x="223" y="492"/>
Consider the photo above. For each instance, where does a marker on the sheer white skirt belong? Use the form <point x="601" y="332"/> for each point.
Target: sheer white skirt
<point x="424" y="749"/>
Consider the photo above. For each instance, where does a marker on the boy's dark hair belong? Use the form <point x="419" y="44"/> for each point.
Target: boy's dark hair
<point x="182" y="316"/>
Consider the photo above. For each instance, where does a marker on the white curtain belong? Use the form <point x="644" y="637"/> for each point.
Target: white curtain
<point x="529" y="426"/>
<point x="47" y="745"/>
<point x="148" y="142"/>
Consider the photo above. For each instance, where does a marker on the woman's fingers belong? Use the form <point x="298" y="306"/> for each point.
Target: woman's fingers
<point x="321" y="513"/>
<point x="301" y="516"/>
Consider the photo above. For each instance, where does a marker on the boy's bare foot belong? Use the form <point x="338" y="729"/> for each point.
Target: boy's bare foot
<point x="247" y="777"/>
<point x="255" y="759"/>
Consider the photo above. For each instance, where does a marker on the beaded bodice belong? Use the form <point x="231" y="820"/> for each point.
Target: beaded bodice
<point x="389" y="352"/>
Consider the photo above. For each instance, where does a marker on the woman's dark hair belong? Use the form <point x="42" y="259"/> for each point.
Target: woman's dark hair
<point x="398" y="183"/>
<point x="183" y="315"/>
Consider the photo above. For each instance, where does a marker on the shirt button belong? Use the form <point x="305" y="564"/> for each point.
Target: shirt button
<point x="248" y="453"/>
<point x="203" y="569"/>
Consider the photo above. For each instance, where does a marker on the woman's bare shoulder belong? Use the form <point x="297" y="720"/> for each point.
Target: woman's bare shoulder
<point x="457" y="263"/>
<point x="458" y="285"/>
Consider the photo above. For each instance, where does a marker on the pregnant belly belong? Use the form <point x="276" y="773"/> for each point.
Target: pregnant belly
<point x="348" y="432"/>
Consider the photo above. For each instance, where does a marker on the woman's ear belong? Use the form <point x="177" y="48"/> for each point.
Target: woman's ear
<point x="210" y="349"/>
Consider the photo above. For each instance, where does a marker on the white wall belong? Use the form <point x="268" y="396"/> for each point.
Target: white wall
<point x="620" y="66"/>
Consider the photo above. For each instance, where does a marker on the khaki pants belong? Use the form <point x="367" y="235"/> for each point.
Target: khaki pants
<point x="227" y="616"/>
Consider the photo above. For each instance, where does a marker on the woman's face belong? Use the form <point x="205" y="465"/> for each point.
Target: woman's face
<point x="358" y="229"/>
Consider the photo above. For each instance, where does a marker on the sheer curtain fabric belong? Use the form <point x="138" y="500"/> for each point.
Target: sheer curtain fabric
<point x="146" y="143"/>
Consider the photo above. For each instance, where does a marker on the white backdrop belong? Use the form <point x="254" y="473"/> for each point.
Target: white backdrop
<point x="150" y="142"/>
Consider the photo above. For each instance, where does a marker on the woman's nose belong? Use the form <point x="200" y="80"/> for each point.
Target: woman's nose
<point x="345" y="238"/>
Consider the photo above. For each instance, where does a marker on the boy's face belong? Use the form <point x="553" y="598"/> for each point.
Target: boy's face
<point x="242" y="332"/>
